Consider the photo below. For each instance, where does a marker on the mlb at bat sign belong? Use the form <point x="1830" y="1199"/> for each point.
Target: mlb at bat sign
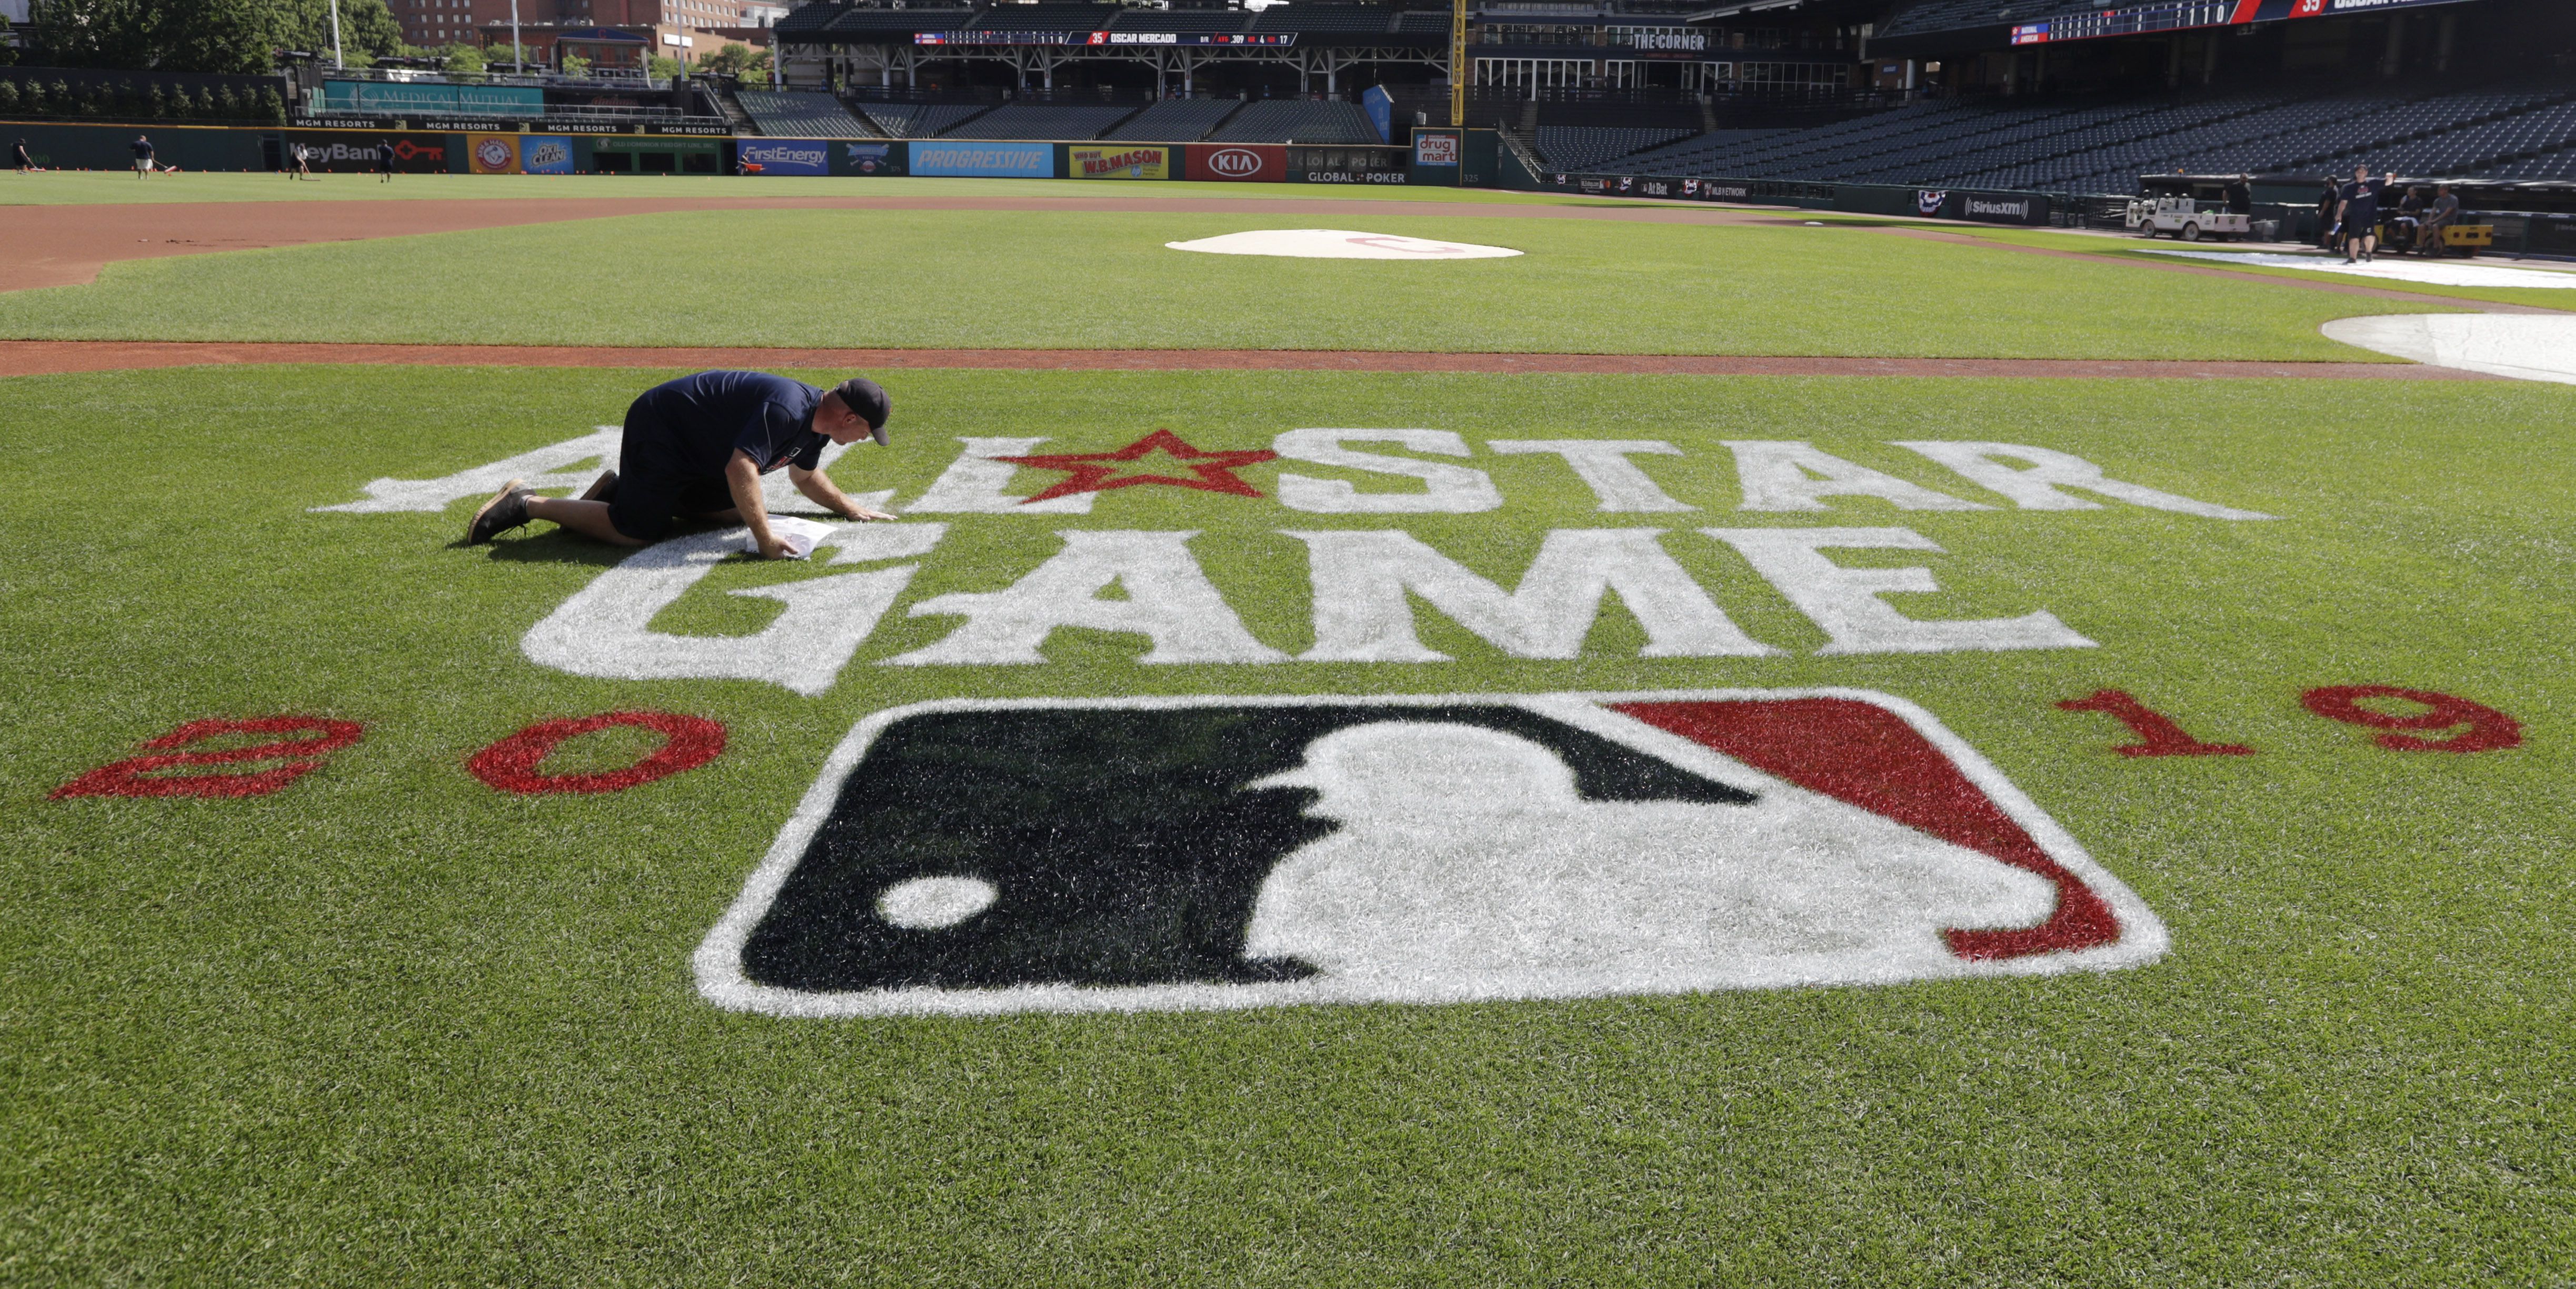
<point x="869" y="159"/>
<point x="787" y="156"/>
<point x="1119" y="163"/>
<point x="976" y="857"/>
<point x="1248" y="162"/>
<point x="984" y="160"/>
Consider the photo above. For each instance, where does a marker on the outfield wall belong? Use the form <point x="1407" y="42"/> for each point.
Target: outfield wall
<point x="1438" y="157"/>
<point x="1978" y="205"/>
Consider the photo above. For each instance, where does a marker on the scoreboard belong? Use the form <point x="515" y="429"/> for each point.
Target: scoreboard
<point x="2150" y="16"/>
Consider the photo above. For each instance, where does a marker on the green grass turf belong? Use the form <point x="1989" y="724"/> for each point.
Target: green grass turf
<point x="84" y="187"/>
<point x="2132" y="248"/>
<point x="1097" y="280"/>
<point x="389" y="1026"/>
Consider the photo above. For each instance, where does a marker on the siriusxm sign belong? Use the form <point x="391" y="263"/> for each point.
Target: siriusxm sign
<point x="788" y="156"/>
<point x="1011" y="160"/>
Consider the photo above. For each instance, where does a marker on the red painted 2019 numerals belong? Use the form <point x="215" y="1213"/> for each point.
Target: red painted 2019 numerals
<point x="142" y="776"/>
<point x="511" y="764"/>
<point x="2157" y="733"/>
<point x="2486" y="729"/>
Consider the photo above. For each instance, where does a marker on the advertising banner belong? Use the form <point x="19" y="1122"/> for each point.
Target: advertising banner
<point x="1119" y="163"/>
<point x="545" y="154"/>
<point x="870" y="159"/>
<point x="1256" y="162"/>
<point x="394" y="98"/>
<point x="1380" y="106"/>
<point x="976" y="159"/>
<point x="787" y="156"/>
<point x="493" y="154"/>
<point x="352" y="152"/>
<point x="1996" y="207"/>
<point x="1435" y="148"/>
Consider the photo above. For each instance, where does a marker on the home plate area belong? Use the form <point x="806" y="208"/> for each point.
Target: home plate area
<point x="966" y="857"/>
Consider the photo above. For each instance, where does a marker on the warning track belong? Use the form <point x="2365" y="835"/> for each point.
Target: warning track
<point x="46" y="357"/>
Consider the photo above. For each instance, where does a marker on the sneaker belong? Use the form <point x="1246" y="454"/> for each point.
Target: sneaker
<point x="506" y="510"/>
<point x="602" y="488"/>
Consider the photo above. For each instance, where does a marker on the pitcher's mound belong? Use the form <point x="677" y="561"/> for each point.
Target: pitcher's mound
<point x="1339" y="244"/>
<point x="2522" y="346"/>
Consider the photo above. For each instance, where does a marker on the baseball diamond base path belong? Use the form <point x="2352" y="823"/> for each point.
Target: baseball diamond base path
<point x="48" y="357"/>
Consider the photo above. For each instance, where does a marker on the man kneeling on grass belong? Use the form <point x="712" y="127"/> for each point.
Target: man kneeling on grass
<point x="696" y="447"/>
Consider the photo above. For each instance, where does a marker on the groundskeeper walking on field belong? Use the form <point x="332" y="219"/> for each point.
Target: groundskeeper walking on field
<point x="696" y="447"/>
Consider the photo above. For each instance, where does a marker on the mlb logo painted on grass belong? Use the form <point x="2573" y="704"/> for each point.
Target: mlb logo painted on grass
<point x="974" y="857"/>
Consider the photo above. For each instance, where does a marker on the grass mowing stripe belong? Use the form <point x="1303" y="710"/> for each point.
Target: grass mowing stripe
<point x="970" y="279"/>
<point x="392" y="1025"/>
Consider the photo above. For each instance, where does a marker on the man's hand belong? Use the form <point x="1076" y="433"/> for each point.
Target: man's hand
<point x="742" y="479"/>
<point x="819" y="489"/>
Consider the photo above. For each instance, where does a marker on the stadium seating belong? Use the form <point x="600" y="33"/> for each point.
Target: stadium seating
<point x="1047" y="17"/>
<point x="1176" y="120"/>
<point x="802" y="115"/>
<point x="2506" y="129"/>
<point x="1041" y="121"/>
<point x="1303" y="16"/>
<point x="1291" y="120"/>
<point x="1575" y="147"/>
<point x="919" y="120"/>
<point x="1205" y="21"/>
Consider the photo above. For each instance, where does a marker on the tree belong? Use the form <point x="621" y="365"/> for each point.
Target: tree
<point x="272" y="108"/>
<point x="8" y="97"/>
<point x="663" y="68"/>
<point x="32" y="99"/>
<point x="156" y="104"/>
<point x="239" y="36"/>
<point x="575" y="65"/>
<point x="464" y="60"/>
<point x="731" y="60"/>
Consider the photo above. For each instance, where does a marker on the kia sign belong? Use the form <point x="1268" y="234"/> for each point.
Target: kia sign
<point x="1261" y="162"/>
<point x="984" y="160"/>
<point x="788" y="156"/>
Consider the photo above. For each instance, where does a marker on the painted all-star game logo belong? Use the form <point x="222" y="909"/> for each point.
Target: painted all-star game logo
<point x="970" y="856"/>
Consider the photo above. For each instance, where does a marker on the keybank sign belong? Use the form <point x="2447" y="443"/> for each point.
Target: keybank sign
<point x="1010" y="160"/>
<point x="788" y="156"/>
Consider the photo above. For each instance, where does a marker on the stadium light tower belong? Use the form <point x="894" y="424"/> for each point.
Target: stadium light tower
<point x="335" y="34"/>
<point x="1458" y="63"/>
<point x="518" y="52"/>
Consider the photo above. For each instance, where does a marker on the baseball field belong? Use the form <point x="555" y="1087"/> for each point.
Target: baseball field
<point x="1728" y="747"/>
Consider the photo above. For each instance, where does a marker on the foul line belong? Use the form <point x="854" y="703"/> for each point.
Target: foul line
<point x="54" y="357"/>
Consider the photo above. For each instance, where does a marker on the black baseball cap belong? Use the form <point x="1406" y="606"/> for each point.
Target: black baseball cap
<point x="868" y="399"/>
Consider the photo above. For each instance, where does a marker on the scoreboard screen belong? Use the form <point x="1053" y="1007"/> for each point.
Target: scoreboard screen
<point x="2150" y="16"/>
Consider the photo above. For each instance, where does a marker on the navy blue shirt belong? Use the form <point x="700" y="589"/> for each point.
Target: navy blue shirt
<point x="709" y="415"/>
<point x="2361" y="205"/>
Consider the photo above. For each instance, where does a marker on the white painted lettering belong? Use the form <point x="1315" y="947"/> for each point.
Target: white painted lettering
<point x="572" y="463"/>
<point x="973" y="483"/>
<point x="1791" y="475"/>
<point x="1844" y="601"/>
<point x="1448" y="489"/>
<point x="605" y="628"/>
<point x="1363" y="614"/>
<point x="2035" y="487"/>
<point x="1169" y="601"/>
<point x="1603" y="465"/>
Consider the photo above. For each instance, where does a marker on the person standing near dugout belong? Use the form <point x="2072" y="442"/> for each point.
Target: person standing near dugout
<point x="696" y="447"/>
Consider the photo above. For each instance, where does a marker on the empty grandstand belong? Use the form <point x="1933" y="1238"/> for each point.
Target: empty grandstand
<point x="1176" y="120"/>
<point x="1298" y="121"/>
<point x="803" y="115"/>
<point x="920" y="120"/>
<point x="1040" y="121"/>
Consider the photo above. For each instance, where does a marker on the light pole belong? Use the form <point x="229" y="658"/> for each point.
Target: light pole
<point x="518" y="52"/>
<point x="335" y="35"/>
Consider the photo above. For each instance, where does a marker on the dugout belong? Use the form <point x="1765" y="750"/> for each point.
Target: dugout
<point x="659" y="154"/>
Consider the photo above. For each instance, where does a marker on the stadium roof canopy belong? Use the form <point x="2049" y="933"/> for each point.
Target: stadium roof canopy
<point x="1930" y="26"/>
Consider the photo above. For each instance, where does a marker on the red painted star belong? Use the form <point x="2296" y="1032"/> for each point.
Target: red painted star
<point x="1099" y="471"/>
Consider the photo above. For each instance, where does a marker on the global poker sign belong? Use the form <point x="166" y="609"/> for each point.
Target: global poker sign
<point x="976" y="857"/>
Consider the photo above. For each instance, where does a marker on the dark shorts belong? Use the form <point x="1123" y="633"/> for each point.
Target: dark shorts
<point x="654" y="485"/>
